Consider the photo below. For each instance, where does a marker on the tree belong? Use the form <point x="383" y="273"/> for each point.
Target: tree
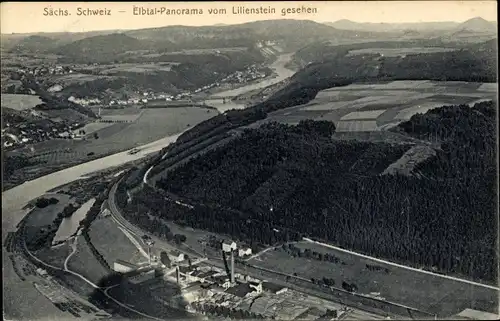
<point x="164" y="259"/>
<point x="96" y="136"/>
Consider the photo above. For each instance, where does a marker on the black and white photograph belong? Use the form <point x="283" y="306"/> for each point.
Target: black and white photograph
<point x="293" y="160"/>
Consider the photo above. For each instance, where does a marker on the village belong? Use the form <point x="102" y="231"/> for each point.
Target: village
<point x="209" y="290"/>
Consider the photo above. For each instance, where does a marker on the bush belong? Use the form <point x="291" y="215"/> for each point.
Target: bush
<point x="43" y="202"/>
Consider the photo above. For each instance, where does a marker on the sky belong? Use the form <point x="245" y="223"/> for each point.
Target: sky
<point x="28" y="17"/>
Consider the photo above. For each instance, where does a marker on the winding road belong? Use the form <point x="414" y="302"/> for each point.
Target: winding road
<point x="103" y="289"/>
<point x="13" y="201"/>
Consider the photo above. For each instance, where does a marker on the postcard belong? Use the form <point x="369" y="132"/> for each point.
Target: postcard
<point x="295" y="160"/>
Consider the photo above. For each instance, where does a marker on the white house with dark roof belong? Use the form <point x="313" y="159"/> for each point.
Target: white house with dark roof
<point x="228" y="246"/>
<point x="177" y="256"/>
<point x="244" y="252"/>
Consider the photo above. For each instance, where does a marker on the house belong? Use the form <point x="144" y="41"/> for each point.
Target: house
<point x="64" y="135"/>
<point x="185" y="273"/>
<point x="217" y="279"/>
<point x="41" y="272"/>
<point x="273" y="288"/>
<point x="241" y="290"/>
<point x="55" y="88"/>
<point x="227" y="284"/>
<point x="470" y="314"/>
<point x="124" y="266"/>
<point x="142" y="277"/>
<point x="244" y="252"/>
<point x="257" y="286"/>
<point x="177" y="256"/>
<point x="228" y="246"/>
<point x="205" y="276"/>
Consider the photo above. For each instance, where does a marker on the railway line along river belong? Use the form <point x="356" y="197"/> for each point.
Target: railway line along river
<point x="13" y="201"/>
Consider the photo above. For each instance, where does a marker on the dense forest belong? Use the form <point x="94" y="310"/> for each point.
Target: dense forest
<point x="468" y="63"/>
<point x="285" y="182"/>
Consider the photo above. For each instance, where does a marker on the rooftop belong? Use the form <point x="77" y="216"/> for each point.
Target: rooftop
<point x="127" y="264"/>
<point x="240" y="290"/>
<point x="271" y="287"/>
<point x="207" y="274"/>
<point x="477" y="315"/>
<point x="185" y="269"/>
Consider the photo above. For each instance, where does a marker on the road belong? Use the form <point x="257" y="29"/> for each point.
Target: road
<point x="402" y="266"/>
<point x="95" y="286"/>
<point x="13" y="201"/>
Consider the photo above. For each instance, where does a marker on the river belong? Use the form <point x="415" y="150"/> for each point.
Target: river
<point x="18" y="293"/>
<point x="69" y="225"/>
<point x="281" y="74"/>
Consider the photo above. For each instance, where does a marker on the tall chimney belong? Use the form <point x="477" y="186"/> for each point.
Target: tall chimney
<point x="232" y="267"/>
<point x="177" y="274"/>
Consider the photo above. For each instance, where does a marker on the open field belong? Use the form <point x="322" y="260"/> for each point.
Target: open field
<point x="90" y="128"/>
<point x="19" y="101"/>
<point x="54" y="256"/>
<point x="374" y="106"/>
<point x="116" y="111"/>
<point x="153" y="124"/>
<point x="37" y="306"/>
<point x="76" y="78"/>
<point x="68" y="115"/>
<point x="395" y="52"/>
<point x="41" y="217"/>
<point x="137" y="68"/>
<point x="121" y="118"/>
<point x="422" y="291"/>
<point x="206" y="51"/>
<point x="83" y="262"/>
<point x="111" y="242"/>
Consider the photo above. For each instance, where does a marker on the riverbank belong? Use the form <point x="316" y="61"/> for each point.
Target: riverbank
<point x="14" y="199"/>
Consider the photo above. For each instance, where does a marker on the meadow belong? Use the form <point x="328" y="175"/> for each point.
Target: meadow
<point x="149" y="125"/>
<point x="112" y="243"/>
<point x="429" y="293"/>
<point x="377" y="106"/>
<point x="137" y="68"/>
<point x="84" y="262"/>
<point x="19" y="101"/>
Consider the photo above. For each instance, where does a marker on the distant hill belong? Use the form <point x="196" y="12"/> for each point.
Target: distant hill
<point x="345" y="24"/>
<point x="34" y="43"/>
<point x="474" y="24"/>
<point x="290" y="33"/>
<point x="477" y="24"/>
<point x="101" y="47"/>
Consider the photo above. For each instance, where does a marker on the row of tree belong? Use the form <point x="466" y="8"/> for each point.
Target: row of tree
<point x="310" y="254"/>
<point x="223" y="311"/>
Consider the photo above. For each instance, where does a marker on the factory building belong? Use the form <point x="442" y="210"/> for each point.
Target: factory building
<point x="244" y="252"/>
<point x="228" y="246"/>
<point x="470" y="314"/>
<point x="142" y="277"/>
<point x="177" y="256"/>
<point x="124" y="266"/>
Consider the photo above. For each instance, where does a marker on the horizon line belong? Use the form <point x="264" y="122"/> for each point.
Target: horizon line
<point x="235" y="24"/>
